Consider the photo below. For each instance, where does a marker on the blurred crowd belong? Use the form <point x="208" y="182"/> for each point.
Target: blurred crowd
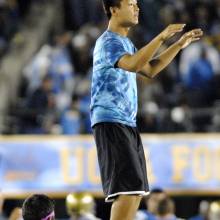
<point x="12" y="15"/>
<point x="54" y="93"/>
<point x="158" y="205"/>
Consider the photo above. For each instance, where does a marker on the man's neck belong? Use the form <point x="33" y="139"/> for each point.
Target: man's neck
<point x="114" y="26"/>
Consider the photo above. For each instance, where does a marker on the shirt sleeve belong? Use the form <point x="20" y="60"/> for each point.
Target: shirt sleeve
<point x="113" y="51"/>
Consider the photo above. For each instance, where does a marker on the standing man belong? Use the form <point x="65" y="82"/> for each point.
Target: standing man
<point x="114" y="103"/>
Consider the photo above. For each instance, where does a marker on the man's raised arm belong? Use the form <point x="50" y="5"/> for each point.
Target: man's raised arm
<point x="136" y="62"/>
<point x="157" y="64"/>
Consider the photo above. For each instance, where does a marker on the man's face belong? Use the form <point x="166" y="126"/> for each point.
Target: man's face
<point x="128" y="13"/>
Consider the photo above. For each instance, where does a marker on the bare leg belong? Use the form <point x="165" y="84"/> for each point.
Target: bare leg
<point x="125" y="207"/>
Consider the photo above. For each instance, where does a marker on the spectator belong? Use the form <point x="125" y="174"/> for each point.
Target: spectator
<point x="204" y="207"/>
<point x="165" y="210"/>
<point x="61" y="70"/>
<point x="38" y="207"/>
<point x="40" y="104"/>
<point x="70" y="119"/>
<point x="198" y="82"/>
<point x="193" y="53"/>
<point x="151" y="202"/>
<point x="200" y="73"/>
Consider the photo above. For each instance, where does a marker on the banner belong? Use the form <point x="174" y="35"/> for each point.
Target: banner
<point x="64" y="164"/>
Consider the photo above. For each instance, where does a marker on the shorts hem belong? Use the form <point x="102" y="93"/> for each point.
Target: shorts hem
<point x="110" y="198"/>
<point x="103" y="120"/>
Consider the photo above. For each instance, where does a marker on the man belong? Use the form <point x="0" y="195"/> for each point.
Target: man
<point x="166" y="210"/>
<point x="204" y="211"/>
<point x="156" y="195"/>
<point x="114" y="103"/>
<point x="38" y="207"/>
<point x="39" y="114"/>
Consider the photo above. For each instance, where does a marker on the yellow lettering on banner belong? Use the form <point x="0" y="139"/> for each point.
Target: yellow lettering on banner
<point x="150" y="174"/>
<point x="92" y="160"/>
<point x="201" y="164"/>
<point x="66" y="155"/>
<point x="217" y="163"/>
<point x="180" y="162"/>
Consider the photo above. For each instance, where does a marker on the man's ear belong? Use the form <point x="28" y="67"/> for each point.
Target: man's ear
<point x="112" y="10"/>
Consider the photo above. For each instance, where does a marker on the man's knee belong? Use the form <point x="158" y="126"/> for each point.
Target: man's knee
<point x="125" y="207"/>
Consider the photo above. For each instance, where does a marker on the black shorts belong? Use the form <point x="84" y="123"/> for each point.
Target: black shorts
<point x="121" y="160"/>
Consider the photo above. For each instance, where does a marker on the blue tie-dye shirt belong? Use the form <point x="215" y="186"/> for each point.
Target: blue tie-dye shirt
<point x="114" y="90"/>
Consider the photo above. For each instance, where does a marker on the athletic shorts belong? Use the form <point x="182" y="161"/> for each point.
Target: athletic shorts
<point x="121" y="160"/>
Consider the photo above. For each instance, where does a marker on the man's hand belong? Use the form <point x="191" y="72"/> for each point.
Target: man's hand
<point x="152" y="68"/>
<point x="190" y="37"/>
<point x="171" y="30"/>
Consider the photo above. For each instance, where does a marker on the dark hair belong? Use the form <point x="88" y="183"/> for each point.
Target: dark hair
<point x="107" y="4"/>
<point x="156" y="190"/>
<point x="36" y="207"/>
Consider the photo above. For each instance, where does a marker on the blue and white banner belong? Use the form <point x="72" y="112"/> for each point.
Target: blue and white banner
<point x="63" y="164"/>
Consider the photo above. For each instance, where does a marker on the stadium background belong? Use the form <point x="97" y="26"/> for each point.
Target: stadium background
<point x="45" y="70"/>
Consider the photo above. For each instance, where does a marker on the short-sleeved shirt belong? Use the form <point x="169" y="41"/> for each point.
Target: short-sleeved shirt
<point x="114" y="90"/>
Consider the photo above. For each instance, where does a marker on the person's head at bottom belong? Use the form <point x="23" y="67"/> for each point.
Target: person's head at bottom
<point x="38" y="207"/>
<point x="155" y="196"/>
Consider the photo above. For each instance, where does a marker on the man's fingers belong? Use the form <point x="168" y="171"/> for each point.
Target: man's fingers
<point x="191" y="36"/>
<point x="196" y="32"/>
<point x="177" y="26"/>
<point x="195" y="39"/>
<point x="176" y="29"/>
